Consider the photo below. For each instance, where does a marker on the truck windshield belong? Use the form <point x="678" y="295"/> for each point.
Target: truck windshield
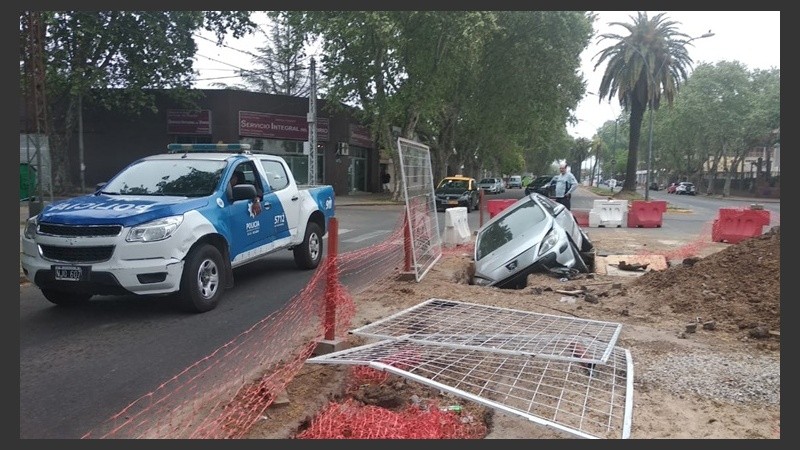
<point x="184" y="178"/>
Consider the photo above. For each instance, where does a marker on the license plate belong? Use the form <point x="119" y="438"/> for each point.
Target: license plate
<point x="452" y="202"/>
<point x="71" y="273"/>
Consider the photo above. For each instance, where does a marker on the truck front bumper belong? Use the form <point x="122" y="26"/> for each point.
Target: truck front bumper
<point x="125" y="272"/>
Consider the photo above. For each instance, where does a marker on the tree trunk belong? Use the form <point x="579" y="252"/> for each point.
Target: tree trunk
<point x="637" y="115"/>
<point x="63" y="182"/>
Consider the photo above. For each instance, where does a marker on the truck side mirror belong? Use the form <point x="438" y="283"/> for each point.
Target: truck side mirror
<point x="244" y="192"/>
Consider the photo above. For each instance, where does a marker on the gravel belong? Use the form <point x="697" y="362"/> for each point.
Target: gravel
<point x="735" y="378"/>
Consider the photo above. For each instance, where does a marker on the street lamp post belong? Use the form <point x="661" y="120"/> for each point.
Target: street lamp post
<point x="651" y="95"/>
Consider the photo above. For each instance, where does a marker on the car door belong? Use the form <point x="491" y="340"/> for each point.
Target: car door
<point x="249" y="229"/>
<point x="283" y="202"/>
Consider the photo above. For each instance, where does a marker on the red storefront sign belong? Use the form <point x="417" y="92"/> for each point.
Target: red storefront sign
<point x="187" y="121"/>
<point x="360" y="136"/>
<point x="279" y="126"/>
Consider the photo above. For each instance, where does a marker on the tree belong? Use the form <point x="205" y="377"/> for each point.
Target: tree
<point x="282" y="65"/>
<point x="648" y="63"/>
<point x="118" y="60"/>
<point x="723" y="112"/>
<point x="470" y="84"/>
<point x="580" y="150"/>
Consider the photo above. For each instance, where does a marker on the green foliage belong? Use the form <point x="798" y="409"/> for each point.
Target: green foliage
<point x="119" y="60"/>
<point x="281" y="66"/>
<point x="723" y="111"/>
<point x="648" y="63"/>
<point x="471" y="84"/>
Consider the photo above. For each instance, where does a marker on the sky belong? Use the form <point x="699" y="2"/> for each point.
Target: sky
<point x="750" y="37"/>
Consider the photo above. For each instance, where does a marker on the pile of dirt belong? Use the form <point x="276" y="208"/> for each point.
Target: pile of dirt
<point x="738" y="286"/>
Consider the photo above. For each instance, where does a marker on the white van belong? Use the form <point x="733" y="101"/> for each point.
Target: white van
<point x="515" y="181"/>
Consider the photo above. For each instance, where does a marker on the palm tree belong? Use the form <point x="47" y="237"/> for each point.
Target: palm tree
<point x="648" y="63"/>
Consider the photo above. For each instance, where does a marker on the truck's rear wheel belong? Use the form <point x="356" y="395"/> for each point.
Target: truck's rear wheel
<point x="65" y="298"/>
<point x="308" y="254"/>
<point x="203" y="279"/>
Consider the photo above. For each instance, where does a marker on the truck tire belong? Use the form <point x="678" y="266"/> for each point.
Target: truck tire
<point x="203" y="279"/>
<point x="308" y="254"/>
<point x="65" y="298"/>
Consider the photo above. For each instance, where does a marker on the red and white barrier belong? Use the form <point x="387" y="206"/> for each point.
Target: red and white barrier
<point x="735" y="225"/>
<point x="646" y="214"/>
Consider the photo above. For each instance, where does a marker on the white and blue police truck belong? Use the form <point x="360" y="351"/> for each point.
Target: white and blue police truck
<point x="177" y="222"/>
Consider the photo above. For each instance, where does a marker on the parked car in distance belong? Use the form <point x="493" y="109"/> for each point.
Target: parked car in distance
<point x="654" y="186"/>
<point x="515" y="181"/>
<point x="492" y="185"/>
<point x="455" y="191"/>
<point x="541" y="185"/>
<point x="534" y="234"/>
<point x="685" y="188"/>
<point x="671" y="188"/>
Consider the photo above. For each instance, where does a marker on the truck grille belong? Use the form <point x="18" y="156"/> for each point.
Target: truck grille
<point x="79" y="230"/>
<point x="77" y="254"/>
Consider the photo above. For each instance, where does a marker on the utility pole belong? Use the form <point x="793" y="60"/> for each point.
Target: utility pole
<point x="614" y="151"/>
<point x="312" y="126"/>
<point x="36" y="121"/>
<point x="596" y="162"/>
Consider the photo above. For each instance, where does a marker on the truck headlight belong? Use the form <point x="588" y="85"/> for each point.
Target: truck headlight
<point x="156" y="230"/>
<point x="30" y="226"/>
<point x="549" y="242"/>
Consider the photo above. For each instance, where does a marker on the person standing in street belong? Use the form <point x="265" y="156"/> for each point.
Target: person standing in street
<point x="564" y="184"/>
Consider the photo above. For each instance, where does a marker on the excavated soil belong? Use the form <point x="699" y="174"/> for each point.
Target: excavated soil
<point x="716" y="311"/>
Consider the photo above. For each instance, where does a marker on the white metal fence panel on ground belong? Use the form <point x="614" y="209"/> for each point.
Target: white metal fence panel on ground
<point x="587" y="401"/>
<point x="459" y="324"/>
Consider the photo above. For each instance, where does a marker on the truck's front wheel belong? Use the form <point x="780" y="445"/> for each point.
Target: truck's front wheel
<point x="203" y="279"/>
<point x="308" y="254"/>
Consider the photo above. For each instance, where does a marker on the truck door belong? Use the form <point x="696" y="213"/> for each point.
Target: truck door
<point x="284" y="201"/>
<point x="250" y="231"/>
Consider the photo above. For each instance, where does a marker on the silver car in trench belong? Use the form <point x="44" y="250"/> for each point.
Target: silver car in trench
<point x="534" y="234"/>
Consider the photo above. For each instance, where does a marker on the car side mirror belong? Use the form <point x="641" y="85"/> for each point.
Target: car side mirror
<point x="244" y="192"/>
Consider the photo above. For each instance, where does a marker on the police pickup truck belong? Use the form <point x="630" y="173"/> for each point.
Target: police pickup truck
<point x="176" y="223"/>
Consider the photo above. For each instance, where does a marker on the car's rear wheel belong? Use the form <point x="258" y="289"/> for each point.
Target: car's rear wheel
<point x="308" y="254"/>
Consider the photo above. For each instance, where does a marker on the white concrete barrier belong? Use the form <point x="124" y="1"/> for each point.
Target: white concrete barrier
<point x="609" y="214"/>
<point x="456" y="227"/>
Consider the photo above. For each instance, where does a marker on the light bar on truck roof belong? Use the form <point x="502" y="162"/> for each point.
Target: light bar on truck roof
<point x="197" y="148"/>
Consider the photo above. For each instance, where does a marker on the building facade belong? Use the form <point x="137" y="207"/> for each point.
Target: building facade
<point x="347" y="158"/>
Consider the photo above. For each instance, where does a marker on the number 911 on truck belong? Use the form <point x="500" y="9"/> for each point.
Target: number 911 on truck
<point x="176" y="223"/>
